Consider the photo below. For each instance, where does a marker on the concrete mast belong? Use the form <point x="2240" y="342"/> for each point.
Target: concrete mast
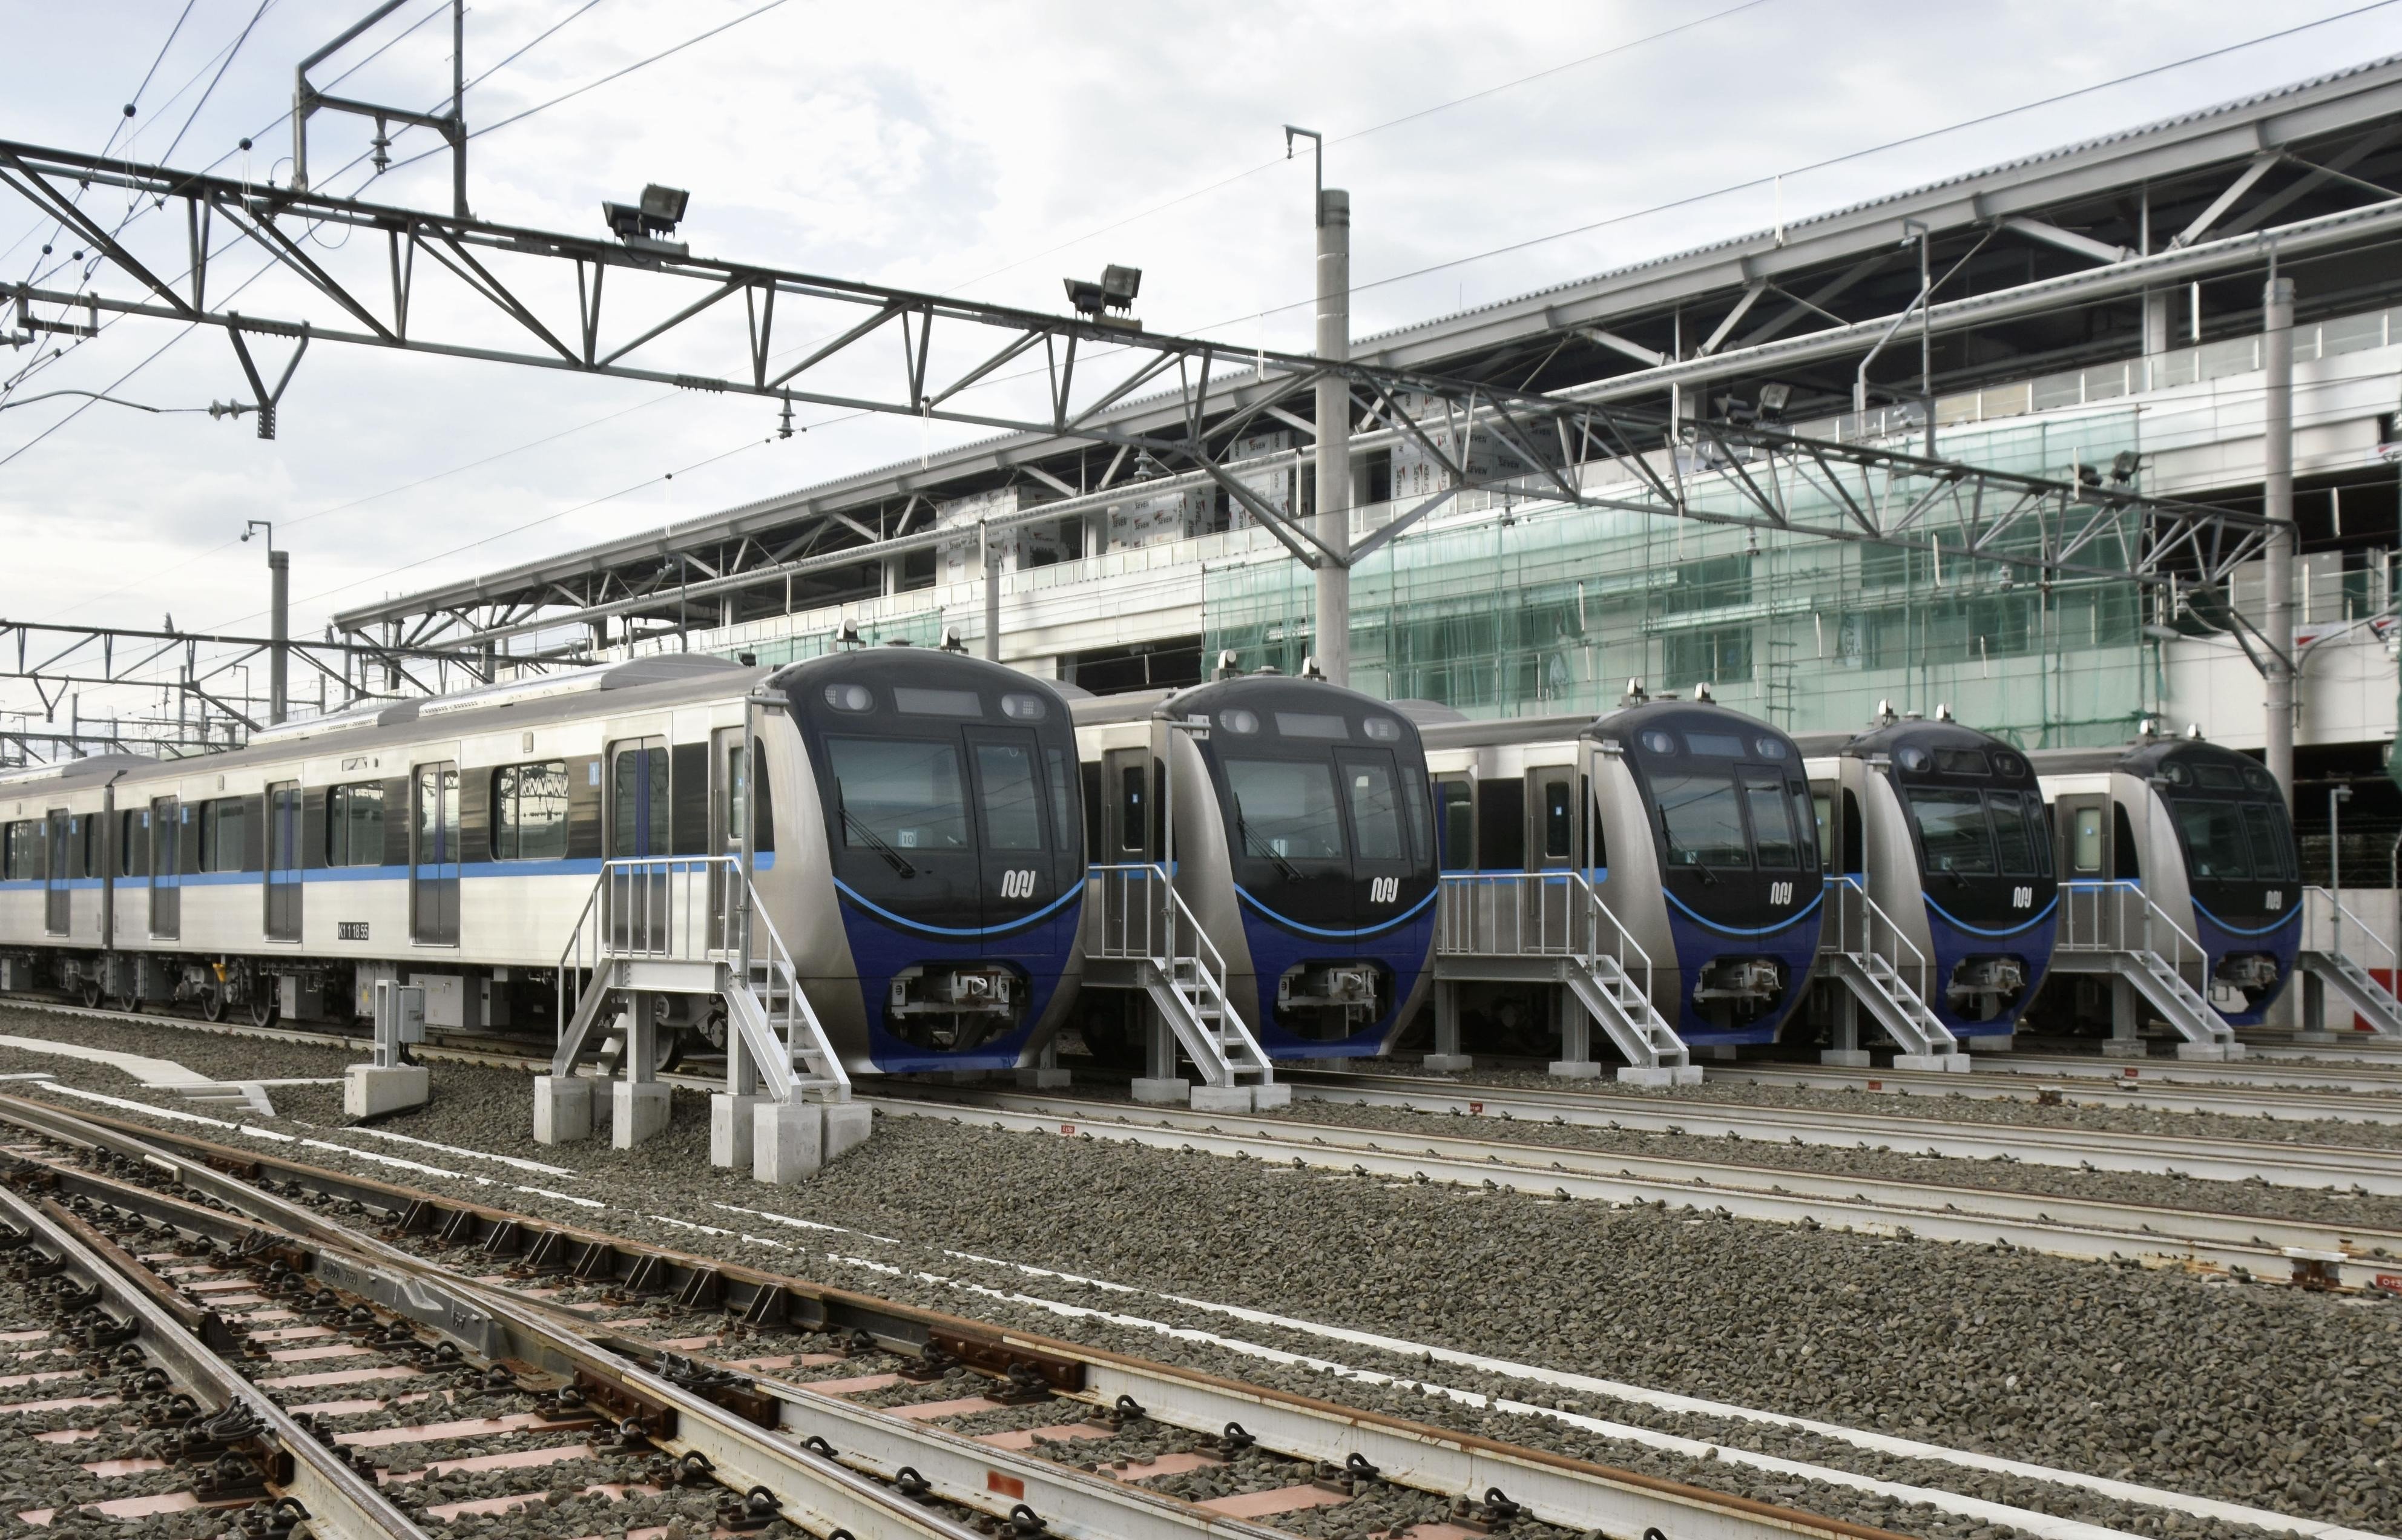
<point x="2277" y="610"/>
<point x="1334" y="624"/>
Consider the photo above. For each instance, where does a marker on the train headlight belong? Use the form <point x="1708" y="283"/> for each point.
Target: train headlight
<point x="1024" y="707"/>
<point x="1237" y="720"/>
<point x="1383" y="729"/>
<point x="850" y="697"/>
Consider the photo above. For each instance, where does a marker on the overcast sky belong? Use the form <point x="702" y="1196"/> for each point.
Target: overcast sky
<point x="987" y="149"/>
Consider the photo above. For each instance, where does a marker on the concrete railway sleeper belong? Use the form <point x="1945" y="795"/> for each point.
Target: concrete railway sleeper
<point x="1314" y="1455"/>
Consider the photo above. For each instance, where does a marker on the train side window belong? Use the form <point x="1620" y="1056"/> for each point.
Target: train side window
<point x="24" y="851"/>
<point x="1798" y="794"/>
<point x="1091" y="777"/>
<point x="1854" y="838"/>
<point x="1413" y="786"/>
<point x="225" y="832"/>
<point x="1062" y="825"/>
<point x="530" y="812"/>
<point x="2124" y="864"/>
<point x="1501" y="824"/>
<point x="1559" y="824"/>
<point x="740" y="793"/>
<point x="2085" y="842"/>
<point x="1596" y="837"/>
<point x="355" y="825"/>
<point x="1131" y="822"/>
<point x="132" y="841"/>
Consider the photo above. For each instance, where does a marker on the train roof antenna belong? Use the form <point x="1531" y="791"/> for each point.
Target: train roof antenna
<point x="1885" y="717"/>
<point x="1230" y="664"/>
<point x="1701" y="694"/>
<point x="1309" y="668"/>
<point x="848" y="635"/>
<point x="1942" y="711"/>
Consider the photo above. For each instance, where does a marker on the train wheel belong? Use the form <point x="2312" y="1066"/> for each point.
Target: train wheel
<point x="670" y="1052"/>
<point x="213" y="1002"/>
<point x="263" y="1008"/>
<point x="712" y="1029"/>
<point x="130" y="1004"/>
<point x="88" y="991"/>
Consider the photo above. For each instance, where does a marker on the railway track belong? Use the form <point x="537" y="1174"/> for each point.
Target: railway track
<point x="2268" y="1250"/>
<point x="834" y="1410"/>
<point x="2279" y="1163"/>
<point x="2285" y="1067"/>
<point x="2167" y="1087"/>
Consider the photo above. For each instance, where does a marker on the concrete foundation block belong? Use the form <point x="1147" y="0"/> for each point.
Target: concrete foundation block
<point x="1718" y="1052"/>
<point x="1220" y="1098"/>
<point x="1575" y="1070"/>
<point x="1169" y="1093"/>
<point x="1847" y="1058"/>
<point x="2322" y="1037"/>
<point x="729" y="1129"/>
<point x="1989" y="1045"/>
<point x="787" y="1141"/>
<point x="2125" y="1047"/>
<point x="368" y="1091"/>
<point x="1956" y="1063"/>
<point x="1655" y="1078"/>
<point x="847" y="1127"/>
<point x="1935" y="1061"/>
<point x="1686" y="1074"/>
<point x="562" y="1110"/>
<point x="2204" y="1052"/>
<point x="636" y="1111"/>
<point x="1447" y="1064"/>
<point x="1267" y="1098"/>
<point x="1045" y="1080"/>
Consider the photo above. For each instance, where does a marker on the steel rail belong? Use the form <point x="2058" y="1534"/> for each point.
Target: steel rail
<point x="2083" y="1230"/>
<point x="2268" y="1067"/>
<point x="1556" y="1489"/>
<point x="342" y="1505"/>
<point x="2099" y="1086"/>
<point x="2275" y="1162"/>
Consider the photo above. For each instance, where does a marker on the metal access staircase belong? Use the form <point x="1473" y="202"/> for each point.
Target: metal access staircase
<point x="1134" y="919"/>
<point x="2333" y="940"/>
<point x="1886" y="972"/>
<point x="2117" y="924"/>
<point x="694" y="924"/>
<point x="1557" y="920"/>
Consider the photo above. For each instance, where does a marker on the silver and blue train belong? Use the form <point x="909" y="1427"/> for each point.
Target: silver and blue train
<point x="919" y="849"/>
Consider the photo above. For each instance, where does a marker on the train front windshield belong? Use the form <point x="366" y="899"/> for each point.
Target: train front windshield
<point x="2233" y="828"/>
<point x="1963" y="832"/>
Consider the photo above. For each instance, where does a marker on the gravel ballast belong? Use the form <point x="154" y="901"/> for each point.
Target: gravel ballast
<point x="2252" y="1394"/>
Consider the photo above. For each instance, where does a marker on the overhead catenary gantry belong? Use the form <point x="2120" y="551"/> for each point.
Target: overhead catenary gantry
<point x="544" y="300"/>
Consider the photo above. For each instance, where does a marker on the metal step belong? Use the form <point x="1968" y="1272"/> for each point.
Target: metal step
<point x="1640" y="1034"/>
<point x="2358" y="988"/>
<point x="2180" y="1004"/>
<point x="1919" y="1032"/>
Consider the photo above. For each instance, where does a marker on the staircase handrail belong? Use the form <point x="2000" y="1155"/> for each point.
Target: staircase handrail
<point x="1167" y="921"/>
<point x="2329" y="898"/>
<point x="2184" y="942"/>
<point x="1874" y="912"/>
<point x="1596" y="912"/>
<point x="800" y="1017"/>
<point x="1461" y="923"/>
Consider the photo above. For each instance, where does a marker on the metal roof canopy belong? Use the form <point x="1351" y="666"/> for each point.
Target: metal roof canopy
<point x="2242" y="132"/>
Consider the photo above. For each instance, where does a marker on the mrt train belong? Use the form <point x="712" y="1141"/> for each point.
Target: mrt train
<point x="919" y="849"/>
<point x="2196" y="831"/>
<point x="1691" y="821"/>
<point x="1295" y="815"/>
<point x="1944" y="827"/>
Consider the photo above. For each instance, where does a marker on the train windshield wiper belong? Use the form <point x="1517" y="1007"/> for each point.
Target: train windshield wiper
<point x="875" y="842"/>
<point x="1251" y="841"/>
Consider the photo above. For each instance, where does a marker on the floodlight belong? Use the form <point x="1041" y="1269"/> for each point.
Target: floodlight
<point x="1114" y="291"/>
<point x="2123" y="466"/>
<point x="656" y="217"/>
<point x="1774" y="397"/>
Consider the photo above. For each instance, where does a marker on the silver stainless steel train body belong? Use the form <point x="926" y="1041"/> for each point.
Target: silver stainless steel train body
<point x="454" y="843"/>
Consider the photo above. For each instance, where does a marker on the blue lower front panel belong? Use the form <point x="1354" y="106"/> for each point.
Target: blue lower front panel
<point x="2280" y="940"/>
<point x="1793" y="944"/>
<point x="1954" y="941"/>
<point x="1402" y="948"/>
<point x="882" y="950"/>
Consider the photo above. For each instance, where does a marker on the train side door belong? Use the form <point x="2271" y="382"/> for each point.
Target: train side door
<point x="1554" y="834"/>
<point x="434" y="854"/>
<point x="1455" y="820"/>
<point x="638" y="815"/>
<point x="729" y="776"/>
<point x="1126" y="818"/>
<point x="57" y="896"/>
<point x="284" y="886"/>
<point x="2090" y="913"/>
<point x="166" y="870"/>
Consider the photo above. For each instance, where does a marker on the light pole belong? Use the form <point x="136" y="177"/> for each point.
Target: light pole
<point x="279" y="582"/>
<point x="2336" y="796"/>
<point x="1332" y="213"/>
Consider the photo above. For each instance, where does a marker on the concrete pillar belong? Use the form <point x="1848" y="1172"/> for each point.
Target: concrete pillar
<point x="991" y="555"/>
<point x="279" y="663"/>
<point x="1046" y="1073"/>
<point x="2125" y="1009"/>
<point x="1446" y="1057"/>
<point x="847" y="1127"/>
<point x="2277" y="488"/>
<point x="1333" y="638"/>
<point x="562" y="1110"/>
<point x="1575" y="1062"/>
<point x="1845" y="1033"/>
<point x="730" y="1121"/>
<point x="638" y="1110"/>
<point x="1160" y="1084"/>
<point x="2156" y="333"/>
<point x="787" y="1141"/>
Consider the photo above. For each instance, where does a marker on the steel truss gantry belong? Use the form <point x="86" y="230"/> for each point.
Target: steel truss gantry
<point x="1074" y="376"/>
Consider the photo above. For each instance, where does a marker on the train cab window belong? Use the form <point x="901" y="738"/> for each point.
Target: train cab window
<point x="1061" y="820"/>
<point x="24" y="850"/>
<point x="1457" y="800"/>
<point x="225" y="834"/>
<point x="1285" y="809"/>
<point x="738" y="796"/>
<point x="2017" y="834"/>
<point x="1700" y="818"/>
<point x="1559" y="821"/>
<point x="1775" y="842"/>
<point x="1131" y="823"/>
<point x="1413" y="786"/>
<point x="2271" y="841"/>
<point x="1375" y="809"/>
<point x="530" y="812"/>
<point x="901" y="792"/>
<point x="1962" y="761"/>
<point x="2124" y="863"/>
<point x="1012" y="807"/>
<point x="2213" y="839"/>
<point x="1953" y="831"/>
<point x="355" y="825"/>
<point x="2085" y="842"/>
